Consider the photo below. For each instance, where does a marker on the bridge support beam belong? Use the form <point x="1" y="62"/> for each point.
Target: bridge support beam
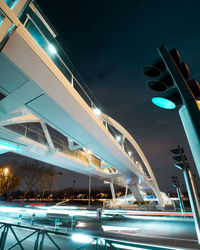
<point x="136" y="192"/>
<point x="48" y="137"/>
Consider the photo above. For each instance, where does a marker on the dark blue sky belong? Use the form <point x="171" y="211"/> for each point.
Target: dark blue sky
<point x="109" y="42"/>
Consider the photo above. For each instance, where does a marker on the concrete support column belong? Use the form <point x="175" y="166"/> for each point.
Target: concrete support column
<point x="112" y="191"/>
<point x="126" y="191"/>
<point x="136" y="192"/>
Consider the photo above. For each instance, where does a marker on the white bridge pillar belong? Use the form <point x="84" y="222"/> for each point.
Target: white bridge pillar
<point x="112" y="191"/>
<point x="136" y="192"/>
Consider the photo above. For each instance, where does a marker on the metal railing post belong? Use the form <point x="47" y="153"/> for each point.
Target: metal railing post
<point x="42" y="240"/>
<point x="57" y="224"/>
<point x="4" y="237"/>
<point x="19" y="219"/>
<point x="33" y="219"/>
<point x="37" y="241"/>
<point x="73" y="222"/>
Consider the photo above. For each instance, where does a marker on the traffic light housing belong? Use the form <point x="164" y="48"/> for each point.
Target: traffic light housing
<point x="175" y="181"/>
<point x="180" y="157"/>
<point x="170" y="76"/>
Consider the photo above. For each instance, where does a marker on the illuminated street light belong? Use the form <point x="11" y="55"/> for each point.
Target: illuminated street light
<point x="129" y="153"/>
<point x="52" y="49"/>
<point x="96" y="111"/>
<point x="118" y="138"/>
<point x="6" y="171"/>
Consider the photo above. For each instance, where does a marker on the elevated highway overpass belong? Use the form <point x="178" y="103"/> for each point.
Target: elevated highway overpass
<point x="46" y="114"/>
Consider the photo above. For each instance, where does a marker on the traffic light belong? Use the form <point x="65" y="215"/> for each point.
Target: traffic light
<point x="175" y="181"/>
<point x="180" y="158"/>
<point x="170" y="76"/>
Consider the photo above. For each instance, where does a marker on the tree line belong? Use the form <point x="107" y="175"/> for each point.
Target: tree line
<point x="29" y="176"/>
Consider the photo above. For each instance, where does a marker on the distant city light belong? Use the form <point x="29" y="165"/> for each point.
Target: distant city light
<point x="52" y="49"/>
<point x="5" y="146"/>
<point x="97" y="111"/>
<point x="163" y="103"/>
<point x="82" y="238"/>
<point x="118" y="138"/>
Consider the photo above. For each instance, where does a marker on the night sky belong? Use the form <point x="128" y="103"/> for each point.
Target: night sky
<point x="109" y="41"/>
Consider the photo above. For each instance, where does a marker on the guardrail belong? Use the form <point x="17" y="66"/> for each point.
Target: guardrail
<point x="25" y="236"/>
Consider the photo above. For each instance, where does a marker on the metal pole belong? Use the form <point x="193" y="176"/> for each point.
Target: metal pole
<point x="191" y="109"/>
<point x="194" y="201"/>
<point x="90" y="181"/>
<point x="180" y="199"/>
<point x="73" y="187"/>
<point x="193" y="139"/>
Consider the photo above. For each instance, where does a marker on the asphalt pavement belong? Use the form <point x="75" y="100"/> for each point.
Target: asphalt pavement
<point x="171" y="232"/>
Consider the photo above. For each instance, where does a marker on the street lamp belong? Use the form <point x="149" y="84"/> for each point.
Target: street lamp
<point x="96" y="111"/>
<point x="52" y="49"/>
<point x="6" y="171"/>
<point x="118" y="138"/>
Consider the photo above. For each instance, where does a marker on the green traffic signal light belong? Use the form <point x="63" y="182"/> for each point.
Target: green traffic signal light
<point x="168" y="100"/>
<point x="162" y="80"/>
<point x="163" y="103"/>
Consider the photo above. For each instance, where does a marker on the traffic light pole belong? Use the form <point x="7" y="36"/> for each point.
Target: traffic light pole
<point x="192" y="192"/>
<point x="192" y="110"/>
<point x="192" y="138"/>
<point x="194" y="202"/>
<point x="180" y="199"/>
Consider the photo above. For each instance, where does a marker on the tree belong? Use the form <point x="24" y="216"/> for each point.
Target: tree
<point x="8" y="180"/>
<point x="29" y="174"/>
<point x="47" y="179"/>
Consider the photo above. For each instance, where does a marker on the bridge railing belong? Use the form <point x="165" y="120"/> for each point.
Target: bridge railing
<point x="34" y="132"/>
<point x="6" y="26"/>
<point x="48" y="43"/>
<point x="53" y="49"/>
